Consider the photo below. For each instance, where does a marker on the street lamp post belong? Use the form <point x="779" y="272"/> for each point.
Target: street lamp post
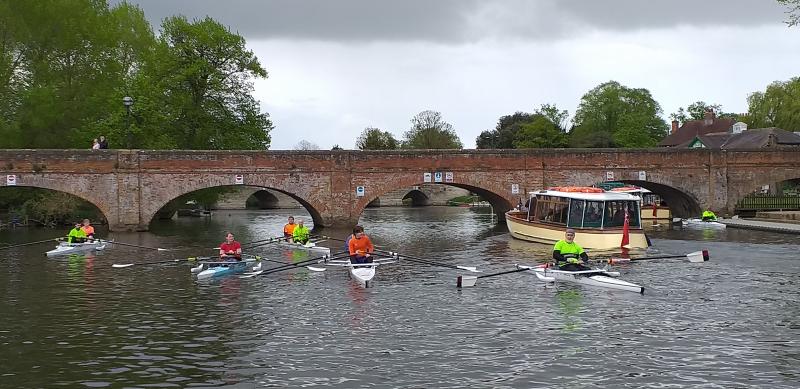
<point x="127" y="101"/>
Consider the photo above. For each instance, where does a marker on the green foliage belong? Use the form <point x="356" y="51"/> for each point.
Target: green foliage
<point x="777" y="106"/>
<point x="375" y="139"/>
<point x="697" y="111"/>
<point x="47" y="207"/>
<point x="793" y="10"/>
<point x="430" y="131"/>
<point x="506" y="133"/>
<point x="541" y="132"/>
<point x="66" y="64"/>
<point x="613" y="115"/>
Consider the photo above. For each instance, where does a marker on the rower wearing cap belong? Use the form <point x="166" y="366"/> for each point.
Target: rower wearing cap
<point x="569" y="255"/>
<point x="300" y="233"/>
<point x="360" y="246"/>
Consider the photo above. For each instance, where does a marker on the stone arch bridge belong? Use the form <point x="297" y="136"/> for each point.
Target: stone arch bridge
<point x="130" y="186"/>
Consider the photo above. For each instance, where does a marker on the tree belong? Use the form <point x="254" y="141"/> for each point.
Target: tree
<point x="336" y="147"/>
<point x="206" y="77"/>
<point x="374" y="139"/>
<point x="777" y="106"/>
<point x="430" y="131"/>
<point x="502" y="137"/>
<point x="793" y="11"/>
<point x="306" y="145"/>
<point x="613" y="115"/>
<point x="541" y="132"/>
<point x="697" y="111"/>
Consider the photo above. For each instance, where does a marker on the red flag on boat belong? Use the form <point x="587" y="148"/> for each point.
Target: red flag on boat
<point x="655" y="209"/>
<point x="625" y="229"/>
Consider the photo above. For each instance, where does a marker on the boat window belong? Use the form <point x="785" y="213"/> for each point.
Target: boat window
<point x="615" y="213"/>
<point x="576" y="213"/>
<point x="550" y="209"/>
<point x="593" y="214"/>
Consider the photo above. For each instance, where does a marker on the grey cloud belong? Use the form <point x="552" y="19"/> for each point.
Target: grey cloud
<point x="460" y="20"/>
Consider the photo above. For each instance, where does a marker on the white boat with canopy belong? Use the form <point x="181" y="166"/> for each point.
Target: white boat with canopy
<point x="597" y="216"/>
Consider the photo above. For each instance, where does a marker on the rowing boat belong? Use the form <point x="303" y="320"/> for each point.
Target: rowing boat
<point x="209" y="270"/>
<point x="310" y="246"/>
<point x="595" y="277"/>
<point x="700" y="223"/>
<point x="362" y="273"/>
<point x="65" y="248"/>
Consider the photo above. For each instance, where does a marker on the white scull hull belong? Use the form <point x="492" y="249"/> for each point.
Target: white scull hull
<point x="65" y="248"/>
<point x="590" y="278"/>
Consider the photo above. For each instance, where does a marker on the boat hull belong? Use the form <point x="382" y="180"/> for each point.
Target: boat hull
<point x="591" y="279"/>
<point x="363" y="275"/>
<point x="588" y="238"/>
<point x="699" y="223"/>
<point x="224" y="270"/>
<point x="65" y="248"/>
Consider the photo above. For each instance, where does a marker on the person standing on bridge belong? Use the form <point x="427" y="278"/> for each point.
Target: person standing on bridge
<point x="360" y="246"/>
<point x="103" y="142"/>
<point x="288" y="229"/>
<point x="300" y="233"/>
<point x="569" y="256"/>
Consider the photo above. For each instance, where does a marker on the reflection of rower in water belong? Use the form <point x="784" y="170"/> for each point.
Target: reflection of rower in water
<point x="569" y="256"/>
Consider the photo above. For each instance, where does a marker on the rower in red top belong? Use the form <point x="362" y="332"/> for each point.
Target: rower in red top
<point x="230" y="250"/>
<point x="360" y="246"/>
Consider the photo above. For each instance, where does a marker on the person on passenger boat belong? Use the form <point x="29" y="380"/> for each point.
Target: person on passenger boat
<point x="76" y="235"/>
<point x="88" y="229"/>
<point x="288" y="229"/>
<point x="230" y="250"/>
<point x="360" y="246"/>
<point x="709" y="216"/>
<point x="300" y="233"/>
<point x="569" y="255"/>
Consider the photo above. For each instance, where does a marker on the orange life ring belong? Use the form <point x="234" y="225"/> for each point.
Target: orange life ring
<point x="579" y="189"/>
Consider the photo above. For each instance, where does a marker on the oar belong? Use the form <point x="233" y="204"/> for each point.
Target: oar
<point x="297" y="264"/>
<point x="133" y="245"/>
<point x="467" y="281"/>
<point x="428" y="262"/>
<point x="257" y="242"/>
<point x="189" y="259"/>
<point x="697" y="256"/>
<point x="32" y="243"/>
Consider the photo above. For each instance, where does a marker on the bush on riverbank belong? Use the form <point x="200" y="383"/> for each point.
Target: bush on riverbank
<point x="45" y="207"/>
<point x="469" y="199"/>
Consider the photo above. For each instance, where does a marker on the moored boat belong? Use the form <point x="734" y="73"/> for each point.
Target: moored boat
<point x="595" y="277"/>
<point x="598" y="218"/>
<point x="65" y="248"/>
<point x="652" y="205"/>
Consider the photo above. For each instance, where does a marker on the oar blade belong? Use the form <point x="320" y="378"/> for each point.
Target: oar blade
<point x="312" y="268"/>
<point x="698" y="256"/>
<point x="466" y="281"/>
<point x="469" y="268"/>
<point x="122" y="265"/>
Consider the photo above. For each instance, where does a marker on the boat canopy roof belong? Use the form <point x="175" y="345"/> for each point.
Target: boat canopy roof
<point x="630" y="189"/>
<point x="601" y="196"/>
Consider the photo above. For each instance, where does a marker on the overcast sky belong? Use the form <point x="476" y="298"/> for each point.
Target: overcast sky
<point x="338" y="66"/>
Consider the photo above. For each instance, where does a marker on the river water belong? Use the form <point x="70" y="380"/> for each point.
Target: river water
<point x="732" y="322"/>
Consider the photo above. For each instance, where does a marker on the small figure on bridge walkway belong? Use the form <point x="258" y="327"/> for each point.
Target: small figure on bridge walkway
<point x="103" y="142"/>
<point x="95" y="144"/>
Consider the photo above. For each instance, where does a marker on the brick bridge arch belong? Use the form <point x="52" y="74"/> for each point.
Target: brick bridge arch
<point x="74" y="187"/>
<point x="679" y="201"/>
<point x="473" y="183"/>
<point x="129" y="186"/>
